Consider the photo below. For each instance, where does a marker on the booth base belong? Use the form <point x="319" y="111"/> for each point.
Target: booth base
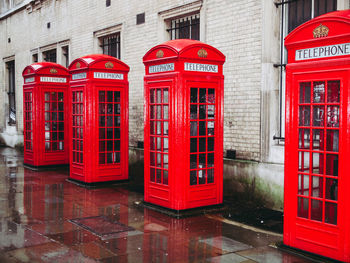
<point x="47" y="167"/>
<point x="305" y="254"/>
<point x="185" y="212"/>
<point x="97" y="184"/>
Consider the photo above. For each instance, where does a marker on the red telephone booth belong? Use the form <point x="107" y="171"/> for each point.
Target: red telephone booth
<point x="99" y="119"/>
<point x="45" y="114"/>
<point x="183" y="137"/>
<point x="317" y="145"/>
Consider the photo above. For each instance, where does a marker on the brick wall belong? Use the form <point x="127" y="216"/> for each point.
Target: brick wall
<point x="234" y="27"/>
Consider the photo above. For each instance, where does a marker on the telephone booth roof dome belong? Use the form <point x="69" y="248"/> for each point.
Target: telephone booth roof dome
<point x="98" y="61"/>
<point x="324" y="28"/>
<point x="184" y="48"/>
<point x="44" y="68"/>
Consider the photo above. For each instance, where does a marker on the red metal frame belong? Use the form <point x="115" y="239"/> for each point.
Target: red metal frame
<point x="183" y="137"/>
<point x="45" y="113"/>
<point x="317" y="138"/>
<point x="99" y="118"/>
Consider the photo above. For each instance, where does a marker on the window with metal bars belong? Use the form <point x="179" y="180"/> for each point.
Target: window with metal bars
<point x="65" y="56"/>
<point x="50" y="55"/>
<point x="35" y="58"/>
<point x="185" y="27"/>
<point x="11" y="91"/>
<point x="296" y="13"/>
<point x="111" y="45"/>
<point x="300" y="11"/>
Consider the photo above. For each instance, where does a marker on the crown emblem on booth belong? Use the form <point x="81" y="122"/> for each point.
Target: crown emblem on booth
<point x="160" y="54"/>
<point x="53" y="71"/>
<point x="320" y="31"/>
<point x="28" y="71"/>
<point x="109" y="65"/>
<point x="78" y="65"/>
<point x="202" y="53"/>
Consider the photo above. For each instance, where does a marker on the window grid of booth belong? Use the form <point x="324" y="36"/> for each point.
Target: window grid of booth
<point x="159" y="135"/>
<point x="318" y="128"/>
<point x="28" y="120"/>
<point x="54" y="121"/>
<point x="109" y="127"/>
<point x="185" y="28"/>
<point x="202" y="123"/>
<point x="77" y="133"/>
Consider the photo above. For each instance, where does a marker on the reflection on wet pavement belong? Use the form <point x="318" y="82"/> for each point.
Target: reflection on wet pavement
<point x="44" y="218"/>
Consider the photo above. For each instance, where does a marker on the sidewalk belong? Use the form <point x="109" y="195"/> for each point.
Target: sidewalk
<point x="44" y="218"/>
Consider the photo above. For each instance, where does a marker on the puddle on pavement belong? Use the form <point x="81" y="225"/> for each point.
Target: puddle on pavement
<point x="38" y="208"/>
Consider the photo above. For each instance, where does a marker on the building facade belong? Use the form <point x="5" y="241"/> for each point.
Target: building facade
<point x="249" y="32"/>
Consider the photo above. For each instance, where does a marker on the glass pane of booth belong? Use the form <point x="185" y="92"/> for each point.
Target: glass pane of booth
<point x="202" y="126"/>
<point x="28" y="114"/>
<point x="318" y="150"/>
<point x="318" y="116"/>
<point x="77" y="126"/>
<point x="303" y="207"/>
<point x="305" y="92"/>
<point x="332" y="140"/>
<point x="303" y="188"/>
<point x="316" y="210"/>
<point x="333" y="91"/>
<point x="333" y="116"/>
<point x="304" y="116"/>
<point x="54" y="121"/>
<point x="159" y="130"/>
<point x="331" y="213"/>
<point x="304" y="138"/>
<point x="109" y="123"/>
<point x="317" y="139"/>
<point x="318" y="92"/>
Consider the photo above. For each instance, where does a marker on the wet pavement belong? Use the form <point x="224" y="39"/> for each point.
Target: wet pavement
<point x="44" y="218"/>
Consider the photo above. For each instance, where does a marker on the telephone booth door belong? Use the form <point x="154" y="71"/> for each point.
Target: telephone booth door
<point x="317" y="144"/>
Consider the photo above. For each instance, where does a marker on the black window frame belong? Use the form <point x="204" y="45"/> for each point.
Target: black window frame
<point x="185" y="27"/>
<point x="110" y="45"/>
<point x="11" y="70"/>
<point x="287" y="14"/>
<point x="300" y="11"/>
<point x="35" y="58"/>
<point x="65" y="54"/>
<point x="50" y="55"/>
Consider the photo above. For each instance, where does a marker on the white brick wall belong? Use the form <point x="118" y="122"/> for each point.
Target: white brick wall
<point x="234" y="27"/>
